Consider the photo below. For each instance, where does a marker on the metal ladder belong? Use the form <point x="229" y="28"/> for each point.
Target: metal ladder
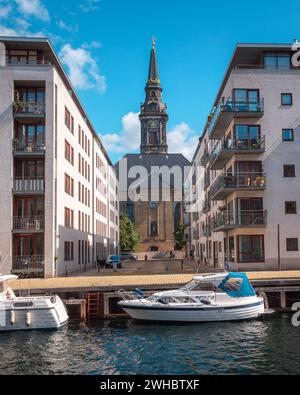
<point x="93" y="306"/>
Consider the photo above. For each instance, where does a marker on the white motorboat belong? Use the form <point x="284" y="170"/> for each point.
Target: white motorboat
<point x="212" y="297"/>
<point x="32" y="312"/>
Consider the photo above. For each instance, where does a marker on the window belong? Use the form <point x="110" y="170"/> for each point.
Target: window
<point x="69" y="153"/>
<point x="288" y="135"/>
<point x="286" y="99"/>
<point x="251" y="248"/>
<point x="154" y="229"/>
<point x="292" y="244"/>
<point x="247" y="136"/>
<point x="69" y="218"/>
<point x="69" y="251"/>
<point x="69" y="120"/>
<point x="289" y="171"/>
<point x="277" y="60"/>
<point x="69" y="185"/>
<point x="246" y="100"/>
<point x="291" y="207"/>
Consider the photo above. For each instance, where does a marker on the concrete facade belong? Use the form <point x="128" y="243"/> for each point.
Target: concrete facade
<point x="68" y="138"/>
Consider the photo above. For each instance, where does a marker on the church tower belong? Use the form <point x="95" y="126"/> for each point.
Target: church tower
<point x="153" y="114"/>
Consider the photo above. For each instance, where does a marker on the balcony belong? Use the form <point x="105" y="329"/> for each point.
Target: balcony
<point x="206" y="206"/>
<point x="28" y="265"/>
<point x="206" y="180"/>
<point x="227" y="110"/>
<point x="225" y="220"/>
<point x="29" y="185"/>
<point x="206" y="230"/>
<point x="28" y="224"/>
<point x="29" y="148"/>
<point x="204" y="159"/>
<point x="29" y="109"/>
<point x="225" y="185"/>
<point x="225" y="150"/>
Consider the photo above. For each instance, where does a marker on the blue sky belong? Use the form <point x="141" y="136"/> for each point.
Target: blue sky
<point x="105" y="46"/>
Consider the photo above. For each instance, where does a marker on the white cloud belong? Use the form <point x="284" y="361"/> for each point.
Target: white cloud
<point x="5" y="10"/>
<point x="68" y="28"/>
<point x="33" y="8"/>
<point x="181" y="139"/>
<point x="129" y="138"/>
<point x="89" y="5"/>
<point x="6" y="31"/>
<point x="83" y="70"/>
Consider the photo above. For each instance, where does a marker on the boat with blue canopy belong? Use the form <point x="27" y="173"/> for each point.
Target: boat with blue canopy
<point x="209" y="297"/>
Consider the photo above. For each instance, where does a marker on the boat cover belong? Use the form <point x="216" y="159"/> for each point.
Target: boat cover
<point x="237" y="285"/>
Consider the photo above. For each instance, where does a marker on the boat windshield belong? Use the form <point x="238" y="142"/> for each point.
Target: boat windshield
<point x="196" y="285"/>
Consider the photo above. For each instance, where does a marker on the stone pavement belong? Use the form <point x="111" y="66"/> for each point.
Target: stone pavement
<point x="66" y="284"/>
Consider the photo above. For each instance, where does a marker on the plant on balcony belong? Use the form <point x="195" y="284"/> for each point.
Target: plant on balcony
<point x="222" y="208"/>
<point x="210" y="118"/>
<point x="260" y="180"/>
<point x="16" y="105"/>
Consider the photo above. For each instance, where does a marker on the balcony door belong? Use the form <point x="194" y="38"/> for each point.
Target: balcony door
<point x="250" y="211"/>
<point x="248" y="168"/>
<point x="28" y="135"/>
<point x="29" y="245"/>
<point x="29" y="207"/>
<point x="246" y="99"/>
<point x="251" y="249"/>
<point x="247" y="136"/>
<point x="29" y="169"/>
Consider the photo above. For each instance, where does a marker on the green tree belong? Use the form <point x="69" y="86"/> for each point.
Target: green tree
<point x="129" y="238"/>
<point x="179" y="237"/>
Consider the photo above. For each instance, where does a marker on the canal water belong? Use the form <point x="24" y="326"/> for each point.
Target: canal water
<point x="268" y="346"/>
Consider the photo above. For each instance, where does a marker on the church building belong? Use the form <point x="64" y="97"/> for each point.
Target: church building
<point x="151" y="182"/>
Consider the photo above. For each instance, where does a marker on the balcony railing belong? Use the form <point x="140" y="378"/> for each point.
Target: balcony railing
<point x="27" y="264"/>
<point x="225" y="149"/>
<point x="28" y="62"/>
<point x="227" y="109"/>
<point x="204" y="159"/>
<point x="29" y="107"/>
<point x="29" y="147"/>
<point x="227" y="220"/>
<point x="227" y="183"/>
<point x="206" y="206"/>
<point x="31" y="224"/>
<point x="29" y="185"/>
<point x="206" y="230"/>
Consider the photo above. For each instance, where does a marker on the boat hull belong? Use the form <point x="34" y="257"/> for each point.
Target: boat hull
<point x="34" y="318"/>
<point x="193" y="314"/>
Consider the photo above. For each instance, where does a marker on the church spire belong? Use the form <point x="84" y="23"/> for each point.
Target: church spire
<point x="153" y="70"/>
<point x="153" y="114"/>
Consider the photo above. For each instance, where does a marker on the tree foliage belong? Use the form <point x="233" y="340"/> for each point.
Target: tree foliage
<point x="179" y="237"/>
<point x="129" y="237"/>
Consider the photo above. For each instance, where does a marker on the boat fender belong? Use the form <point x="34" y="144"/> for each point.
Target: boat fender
<point x="12" y="317"/>
<point x="28" y="318"/>
<point x="204" y="301"/>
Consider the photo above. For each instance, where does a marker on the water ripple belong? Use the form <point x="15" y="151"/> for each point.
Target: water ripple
<point x="270" y="346"/>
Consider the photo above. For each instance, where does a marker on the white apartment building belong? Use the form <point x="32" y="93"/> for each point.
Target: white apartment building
<point x="249" y="155"/>
<point x="58" y="190"/>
